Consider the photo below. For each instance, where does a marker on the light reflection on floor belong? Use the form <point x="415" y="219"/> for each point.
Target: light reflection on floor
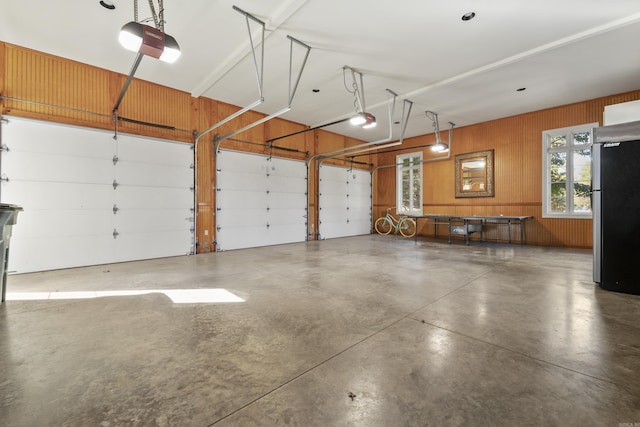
<point x="178" y="296"/>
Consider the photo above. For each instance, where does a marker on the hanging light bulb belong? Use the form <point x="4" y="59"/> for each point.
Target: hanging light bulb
<point x="439" y="146"/>
<point x="370" y="121"/>
<point x="361" y="118"/>
<point x="358" y="120"/>
<point x="150" y="41"/>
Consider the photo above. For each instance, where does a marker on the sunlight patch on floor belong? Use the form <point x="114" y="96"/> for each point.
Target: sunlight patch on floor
<point x="178" y="296"/>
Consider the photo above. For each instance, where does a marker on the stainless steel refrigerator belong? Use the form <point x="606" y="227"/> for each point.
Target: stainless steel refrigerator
<point x="615" y="171"/>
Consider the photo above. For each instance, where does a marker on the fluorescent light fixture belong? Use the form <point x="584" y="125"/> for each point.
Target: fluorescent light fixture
<point x="149" y="41"/>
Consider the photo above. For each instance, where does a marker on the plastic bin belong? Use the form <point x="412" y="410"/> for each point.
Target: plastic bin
<point x="8" y="217"/>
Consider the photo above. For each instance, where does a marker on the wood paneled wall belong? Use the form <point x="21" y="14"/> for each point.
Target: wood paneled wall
<point x="517" y="145"/>
<point x="50" y="88"/>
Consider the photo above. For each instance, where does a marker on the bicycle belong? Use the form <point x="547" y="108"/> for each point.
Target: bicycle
<point x="405" y="225"/>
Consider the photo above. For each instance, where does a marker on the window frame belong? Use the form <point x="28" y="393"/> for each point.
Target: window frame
<point x="399" y="169"/>
<point x="569" y="148"/>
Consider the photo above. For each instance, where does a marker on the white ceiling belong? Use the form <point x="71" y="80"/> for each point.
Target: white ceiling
<point x="562" y="51"/>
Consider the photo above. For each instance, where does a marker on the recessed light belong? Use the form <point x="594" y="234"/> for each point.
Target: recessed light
<point x="522" y="89"/>
<point x="468" y="16"/>
<point x="107" y="4"/>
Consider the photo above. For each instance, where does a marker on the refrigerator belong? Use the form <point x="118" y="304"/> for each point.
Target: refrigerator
<point x="615" y="193"/>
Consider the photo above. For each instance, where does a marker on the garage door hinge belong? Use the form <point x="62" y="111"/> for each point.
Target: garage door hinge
<point x="192" y="188"/>
<point x="115" y="184"/>
<point x="192" y="166"/>
<point x="115" y="209"/>
<point x="4" y="178"/>
<point x="115" y="233"/>
<point x="115" y="159"/>
<point x="4" y="147"/>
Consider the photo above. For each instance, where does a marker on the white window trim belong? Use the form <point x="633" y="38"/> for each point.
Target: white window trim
<point x="399" y="169"/>
<point x="546" y="170"/>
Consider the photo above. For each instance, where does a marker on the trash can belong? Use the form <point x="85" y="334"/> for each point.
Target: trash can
<point x="8" y="217"/>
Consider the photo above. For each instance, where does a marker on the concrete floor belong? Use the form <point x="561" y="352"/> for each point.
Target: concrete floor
<point x="365" y="331"/>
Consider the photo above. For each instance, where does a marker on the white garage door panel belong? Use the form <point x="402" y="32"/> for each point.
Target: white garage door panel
<point x="153" y="220"/>
<point x="239" y="181"/>
<point x="30" y="166"/>
<point x="278" y="200"/>
<point x="52" y="223"/>
<point x="155" y="245"/>
<point x="229" y="200"/>
<point x="285" y="216"/>
<point x="235" y="161"/>
<point x="242" y="218"/>
<point x="254" y="191"/>
<point x="147" y="150"/>
<point x="238" y="238"/>
<point x="287" y="184"/>
<point x="47" y="137"/>
<point x="282" y="234"/>
<point x="145" y="174"/>
<point x="58" y="195"/>
<point x="333" y="201"/>
<point x="344" y="202"/>
<point x="330" y="230"/>
<point x="332" y="215"/>
<point x="47" y="253"/>
<point x="127" y="197"/>
<point x="65" y="186"/>
<point x="360" y="227"/>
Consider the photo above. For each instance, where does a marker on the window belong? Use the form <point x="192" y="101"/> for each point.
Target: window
<point x="409" y="184"/>
<point x="566" y="172"/>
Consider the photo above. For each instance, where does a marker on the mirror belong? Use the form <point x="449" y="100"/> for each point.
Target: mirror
<point x="474" y="174"/>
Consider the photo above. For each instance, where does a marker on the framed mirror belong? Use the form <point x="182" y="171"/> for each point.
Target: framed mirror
<point x="474" y="174"/>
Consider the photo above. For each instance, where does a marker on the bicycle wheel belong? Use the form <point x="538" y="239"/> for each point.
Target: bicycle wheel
<point x="407" y="227"/>
<point x="383" y="226"/>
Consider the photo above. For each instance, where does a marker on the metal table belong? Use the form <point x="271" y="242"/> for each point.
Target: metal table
<point x="469" y="221"/>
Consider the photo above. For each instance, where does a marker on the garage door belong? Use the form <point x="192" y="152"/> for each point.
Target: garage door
<point x="344" y="202"/>
<point x="89" y="199"/>
<point x="260" y="200"/>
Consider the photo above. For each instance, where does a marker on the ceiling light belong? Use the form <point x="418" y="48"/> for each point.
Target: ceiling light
<point x="370" y="121"/>
<point x="361" y="118"/>
<point x="149" y="41"/>
<point x="358" y="119"/>
<point x="468" y="16"/>
<point x="365" y="120"/>
<point x="440" y="147"/>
